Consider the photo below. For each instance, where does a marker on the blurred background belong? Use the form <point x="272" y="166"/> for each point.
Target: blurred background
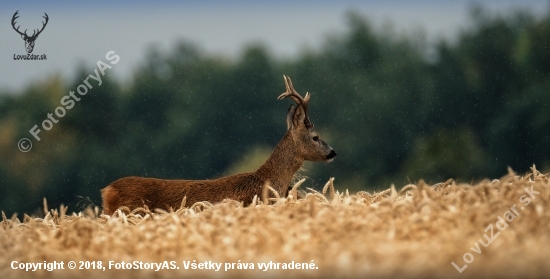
<point x="403" y="90"/>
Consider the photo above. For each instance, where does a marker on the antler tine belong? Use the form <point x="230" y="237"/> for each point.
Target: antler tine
<point x="306" y="98"/>
<point x="290" y="92"/>
<point x="15" y="16"/>
<point x="46" y="17"/>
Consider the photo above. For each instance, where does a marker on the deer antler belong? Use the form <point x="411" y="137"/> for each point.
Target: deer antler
<point x="43" y="26"/>
<point x="290" y="92"/>
<point x="15" y="16"/>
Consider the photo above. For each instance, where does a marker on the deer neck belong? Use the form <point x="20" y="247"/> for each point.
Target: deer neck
<point x="282" y="164"/>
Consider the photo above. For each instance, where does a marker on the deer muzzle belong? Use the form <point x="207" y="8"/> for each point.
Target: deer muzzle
<point x="331" y="155"/>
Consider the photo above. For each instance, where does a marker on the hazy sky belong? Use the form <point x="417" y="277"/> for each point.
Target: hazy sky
<point x="84" y="32"/>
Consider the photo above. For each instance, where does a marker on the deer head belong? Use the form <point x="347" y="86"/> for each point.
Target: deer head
<point x="29" y="40"/>
<point x="309" y="142"/>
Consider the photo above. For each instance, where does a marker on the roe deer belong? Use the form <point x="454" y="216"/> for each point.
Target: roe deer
<point x="301" y="142"/>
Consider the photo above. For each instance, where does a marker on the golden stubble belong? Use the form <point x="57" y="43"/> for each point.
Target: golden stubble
<point x="415" y="232"/>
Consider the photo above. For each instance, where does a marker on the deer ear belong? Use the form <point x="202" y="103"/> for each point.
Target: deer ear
<point x="289" y="117"/>
<point x="299" y="116"/>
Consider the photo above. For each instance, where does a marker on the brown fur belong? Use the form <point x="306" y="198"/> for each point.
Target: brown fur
<point x="300" y="143"/>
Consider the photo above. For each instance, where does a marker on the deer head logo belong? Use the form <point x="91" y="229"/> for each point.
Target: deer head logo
<point x="29" y="40"/>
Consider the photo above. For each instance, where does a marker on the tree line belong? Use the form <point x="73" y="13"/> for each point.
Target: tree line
<point x="393" y="112"/>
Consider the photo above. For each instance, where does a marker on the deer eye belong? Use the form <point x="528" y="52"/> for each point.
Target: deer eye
<point x="316" y="138"/>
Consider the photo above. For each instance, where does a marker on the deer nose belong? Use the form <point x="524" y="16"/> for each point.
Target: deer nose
<point x="332" y="154"/>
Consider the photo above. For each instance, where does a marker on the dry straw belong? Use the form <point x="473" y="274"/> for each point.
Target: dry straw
<point x="416" y="232"/>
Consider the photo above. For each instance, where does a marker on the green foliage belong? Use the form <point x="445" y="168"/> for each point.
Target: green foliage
<point x="391" y="114"/>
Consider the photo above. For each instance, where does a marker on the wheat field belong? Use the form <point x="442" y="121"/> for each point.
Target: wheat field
<point x="494" y="229"/>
